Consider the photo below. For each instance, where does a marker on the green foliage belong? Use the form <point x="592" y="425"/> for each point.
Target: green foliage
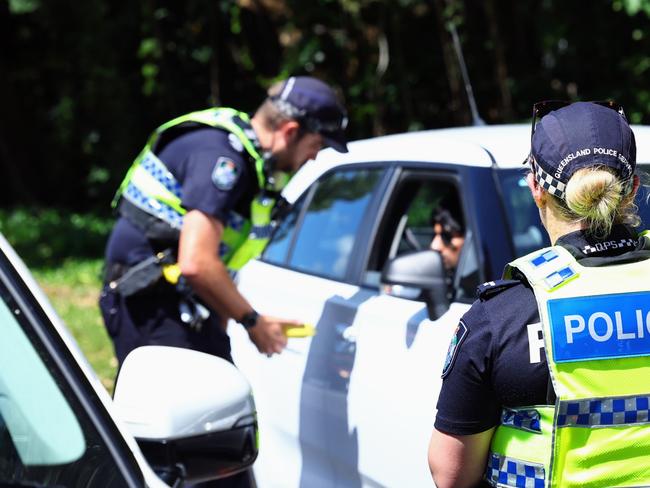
<point x="73" y="288"/>
<point x="47" y="237"/>
<point x="84" y="83"/>
<point x="23" y="6"/>
<point x="632" y="7"/>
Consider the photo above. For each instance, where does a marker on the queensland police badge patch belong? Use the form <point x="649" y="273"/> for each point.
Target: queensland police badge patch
<point x="225" y="174"/>
<point x="454" y="345"/>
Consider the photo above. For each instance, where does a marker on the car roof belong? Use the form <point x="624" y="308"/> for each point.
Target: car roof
<point x="504" y="146"/>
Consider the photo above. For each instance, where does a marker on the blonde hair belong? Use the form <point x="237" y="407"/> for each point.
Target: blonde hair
<point x="596" y="197"/>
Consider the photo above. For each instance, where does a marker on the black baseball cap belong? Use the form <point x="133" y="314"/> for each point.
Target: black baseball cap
<point x="315" y="106"/>
<point x="581" y="135"/>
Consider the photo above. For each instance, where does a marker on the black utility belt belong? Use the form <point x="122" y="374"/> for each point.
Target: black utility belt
<point x="147" y="274"/>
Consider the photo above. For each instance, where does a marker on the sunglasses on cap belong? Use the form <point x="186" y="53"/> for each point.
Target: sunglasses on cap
<point x="545" y="107"/>
<point x="540" y="109"/>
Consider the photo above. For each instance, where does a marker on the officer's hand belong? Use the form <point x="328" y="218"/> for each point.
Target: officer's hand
<point x="268" y="334"/>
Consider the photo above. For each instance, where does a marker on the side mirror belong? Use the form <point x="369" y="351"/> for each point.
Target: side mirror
<point x="424" y="270"/>
<point x="192" y="413"/>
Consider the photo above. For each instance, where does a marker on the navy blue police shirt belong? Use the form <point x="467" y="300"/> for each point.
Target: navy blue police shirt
<point x="497" y="357"/>
<point x="216" y="175"/>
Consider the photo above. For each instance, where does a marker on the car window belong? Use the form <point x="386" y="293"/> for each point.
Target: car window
<point x="41" y="433"/>
<point x="330" y="225"/>
<point x="277" y="250"/>
<point x="46" y="436"/>
<point x="528" y="234"/>
<point x="526" y="228"/>
<point x="422" y="200"/>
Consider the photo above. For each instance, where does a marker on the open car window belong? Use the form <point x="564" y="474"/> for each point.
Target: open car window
<point x="409" y="226"/>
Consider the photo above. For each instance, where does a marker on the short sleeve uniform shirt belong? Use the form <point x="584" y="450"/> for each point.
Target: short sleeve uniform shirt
<point x="216" y="178"/>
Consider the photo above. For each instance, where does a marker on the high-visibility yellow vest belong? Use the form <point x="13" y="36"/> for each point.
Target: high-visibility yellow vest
<point x="151" y="187"/>
<point x="596" y="326"/>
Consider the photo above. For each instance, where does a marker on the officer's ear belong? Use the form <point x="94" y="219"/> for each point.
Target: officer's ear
<point x="290" y="130"/>
<point x="537" y="192"/>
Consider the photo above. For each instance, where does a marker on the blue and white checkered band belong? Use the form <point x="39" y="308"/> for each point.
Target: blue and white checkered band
<point x="158" y="170"/>
<point x="153" y="207"/>
<point x="525" y="419"/>
<point x="552" y="185"/>
<point x="505" y="471"/>
<point x="604" y="412"/>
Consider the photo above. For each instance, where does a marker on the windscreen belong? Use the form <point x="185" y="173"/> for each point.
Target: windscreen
<point x="523" y="215"/>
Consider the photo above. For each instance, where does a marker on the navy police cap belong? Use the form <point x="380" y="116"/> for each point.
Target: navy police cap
<point x="315" y="105"/>
<point x="581" y="135"/>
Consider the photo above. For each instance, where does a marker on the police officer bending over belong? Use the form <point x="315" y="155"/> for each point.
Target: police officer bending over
<point x="546" y="382"/>
<point x="195" y="206"/>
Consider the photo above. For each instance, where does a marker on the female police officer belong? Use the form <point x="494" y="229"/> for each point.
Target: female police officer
<point x="546" y="378"/>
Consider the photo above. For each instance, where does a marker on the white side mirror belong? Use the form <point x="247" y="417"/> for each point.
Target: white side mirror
<point x="192" y="413"/>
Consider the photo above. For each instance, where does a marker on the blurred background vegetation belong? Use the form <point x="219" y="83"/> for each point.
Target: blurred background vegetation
<point x="82" y="84"/>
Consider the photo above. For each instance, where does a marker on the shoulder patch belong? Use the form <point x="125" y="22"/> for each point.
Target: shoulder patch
<point x="491" y="288"/>
<point x="225" y="174"/>
<point x="235" y="143"/>
<point x="454" y="345"/>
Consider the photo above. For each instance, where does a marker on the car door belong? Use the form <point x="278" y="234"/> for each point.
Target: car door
<point x="400" y="351"/>
<point x="304" y="274"/>
<point x="54" y="430"/>
<point x="354" y="405"/>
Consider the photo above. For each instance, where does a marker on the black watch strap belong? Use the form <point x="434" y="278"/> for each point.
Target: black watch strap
<point x="249" y="320"/>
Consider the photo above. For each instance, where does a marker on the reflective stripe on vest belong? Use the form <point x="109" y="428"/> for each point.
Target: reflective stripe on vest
<point x="604" y="412"/>
<point x="154" y="189"/>
<point x="258" y="237"/>
<point x="598" y="346"/>
<point x="151" y="187"/>
<point x="506" y="471"/>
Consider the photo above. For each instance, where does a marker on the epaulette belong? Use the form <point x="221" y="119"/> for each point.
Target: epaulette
<point x="491" y="288"/>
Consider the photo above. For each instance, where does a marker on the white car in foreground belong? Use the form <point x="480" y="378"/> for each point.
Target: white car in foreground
<point x="354" y="405"/>
<point x="192" y="414"/>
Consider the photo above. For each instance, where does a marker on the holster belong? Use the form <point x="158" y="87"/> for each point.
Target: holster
<point x="130" y="280"/>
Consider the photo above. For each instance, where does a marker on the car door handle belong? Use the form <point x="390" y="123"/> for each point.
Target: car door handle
<point x="347" y="332"/>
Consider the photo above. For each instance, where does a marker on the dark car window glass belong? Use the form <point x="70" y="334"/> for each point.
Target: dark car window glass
<point x="329" y="229"/>
<point x="528" y="234"/>
<point x="46" y="436"/>
<point x="526" y="228"/>
<point x="276" y="250"/>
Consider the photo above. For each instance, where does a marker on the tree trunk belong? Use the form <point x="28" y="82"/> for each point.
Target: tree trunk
<point x="457" y="103"/>
<point x="500" y="61"/>
<point x="215" y="34"/>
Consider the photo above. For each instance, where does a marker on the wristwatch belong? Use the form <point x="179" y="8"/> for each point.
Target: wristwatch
<point x="249" y="320"/>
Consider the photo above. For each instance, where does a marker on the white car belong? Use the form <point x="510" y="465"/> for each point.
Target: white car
<point x="355" y="404"/>
<point x="192" y="414"/>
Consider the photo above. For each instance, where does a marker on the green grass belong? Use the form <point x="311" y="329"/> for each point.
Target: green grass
<point x="73" y="288"/>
